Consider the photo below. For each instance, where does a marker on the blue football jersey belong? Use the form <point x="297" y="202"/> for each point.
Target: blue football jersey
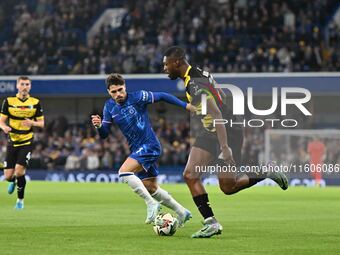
<point x="132" y="118"/>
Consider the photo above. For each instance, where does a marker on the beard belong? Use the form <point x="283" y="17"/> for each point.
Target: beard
<point x="120" y="100"/>
<point x="173" y="76"/>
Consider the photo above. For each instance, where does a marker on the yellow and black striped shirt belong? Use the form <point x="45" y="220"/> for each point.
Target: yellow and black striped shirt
<point x="17" y="111"/>
<point x="198" y="82"/>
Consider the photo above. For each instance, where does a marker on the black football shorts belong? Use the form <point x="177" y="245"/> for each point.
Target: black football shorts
<point x="18" y="155"/>
<point x="209" y="142"/>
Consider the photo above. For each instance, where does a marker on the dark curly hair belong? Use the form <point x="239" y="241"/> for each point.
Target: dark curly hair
<point x="114" y="79"/>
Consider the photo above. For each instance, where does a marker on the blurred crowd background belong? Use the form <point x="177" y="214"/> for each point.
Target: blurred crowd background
<point x="50" y="36"/>
<point x="62" y="145"/>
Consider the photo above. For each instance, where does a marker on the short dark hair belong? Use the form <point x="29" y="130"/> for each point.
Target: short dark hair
<point x="25" y="78"/>
<point x="114" y="79"/>
<point x="175" y="52"/>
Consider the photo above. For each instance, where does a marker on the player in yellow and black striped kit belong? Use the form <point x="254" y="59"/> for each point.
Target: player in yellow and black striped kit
<point x="214" y="144"/>
<point x="19" y="115"/>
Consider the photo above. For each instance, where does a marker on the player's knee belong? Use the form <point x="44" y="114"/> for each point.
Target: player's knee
<point x="187" y="176"/>
<point x="19" y="170"/>
<point x="152" y="189"/>
<point x="150" y="186"/>
<point x="18" y="174"/>
<point x="190" y="176"/>
<point x="8" y="177"/>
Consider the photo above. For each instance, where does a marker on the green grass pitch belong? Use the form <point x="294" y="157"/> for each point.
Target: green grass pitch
<point x="93" y="218"/>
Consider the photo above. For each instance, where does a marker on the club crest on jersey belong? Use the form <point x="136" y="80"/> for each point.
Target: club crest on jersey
<point x="130" y="110"/>
<point x="195" y="90"/>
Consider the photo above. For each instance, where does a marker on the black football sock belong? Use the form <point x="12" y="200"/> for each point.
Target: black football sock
<point x="254" y="178"/>
<point x="21" y="183"/>
<point x="202" y="203"/>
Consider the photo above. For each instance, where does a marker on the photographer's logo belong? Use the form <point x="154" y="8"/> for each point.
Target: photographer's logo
<point x="289" y="96"/>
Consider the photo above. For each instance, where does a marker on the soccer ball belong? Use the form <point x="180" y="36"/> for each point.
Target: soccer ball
<point x="165" y="224"/>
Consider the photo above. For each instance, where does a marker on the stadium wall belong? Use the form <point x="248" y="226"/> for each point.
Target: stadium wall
<point x="77" y="96"/>
<point x="93" y="85"/>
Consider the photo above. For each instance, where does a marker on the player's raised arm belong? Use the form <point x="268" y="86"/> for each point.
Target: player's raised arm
<point x="162" y="96"/>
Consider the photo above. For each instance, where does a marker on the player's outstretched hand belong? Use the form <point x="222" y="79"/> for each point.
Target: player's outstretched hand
<point x="191" y="108"/>
<point x="96" y="121"/>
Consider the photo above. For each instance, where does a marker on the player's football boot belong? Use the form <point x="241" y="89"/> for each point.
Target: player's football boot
<point x="182" y="218"/>
<point x="19" y="205"/>
<point x="278" y="177"/>
<point x="152" y="211"/>
<point x="11" y="187"/>
<point x="211" y="227"/>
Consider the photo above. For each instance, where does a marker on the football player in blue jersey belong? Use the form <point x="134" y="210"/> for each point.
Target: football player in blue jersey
<point x="139" y="171"/>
